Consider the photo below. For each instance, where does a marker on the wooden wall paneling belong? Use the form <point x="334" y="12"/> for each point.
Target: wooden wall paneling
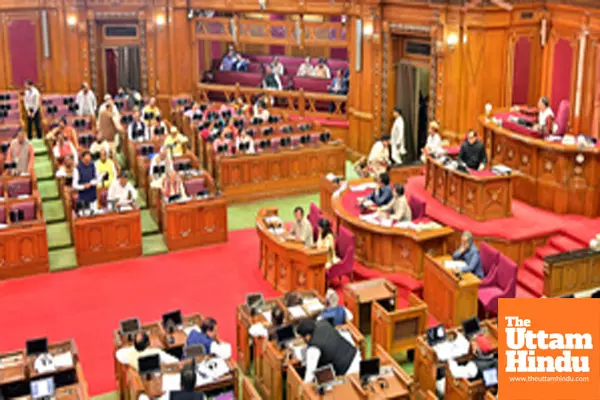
<point x="152" y="31"/>
<point x="451" y="63"/>
<point x="164" y="59"/>
<point x="4" y="60"/>
<point x="590" y="109"/>
<point x="181" y="49"/>
<point x="8" y="19"/>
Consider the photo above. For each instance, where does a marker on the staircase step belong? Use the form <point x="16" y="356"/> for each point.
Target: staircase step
<point x="153" y="245"/>
<point x="149" y="226"/>
<point x="546" y="251"/>
<point x="62" y="259"/>
<point x="524" y="293"/>
<point x="535" y="265"/>
<point x="59" y="235"/>
<point x="43" y="169"/>
<point x="53" y="211"/>
<point x="531" y="282"/>
<point x="48" y="190"/>
<point x="39" y="147"/>
<point x="565" y="243"/>
<point x="141" y="201"/>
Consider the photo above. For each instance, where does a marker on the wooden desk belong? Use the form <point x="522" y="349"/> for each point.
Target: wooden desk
<point x="571" y="272"/>
<point x="289" y="265"/>
<point x="194" y="223"/>
<point x="426" y="361"/>
<point x="107" y="237"/>
<point x="153" y="388"/>
<point x="142" y="166"/>
<point x="328" y="188"/>
<point x="478" y="197"/>
<point x="400" y="385"/>
<point x="248" y="390"/>
<point x="388" y="249"/>
<point x="449" y="299"/>
<point x="463" y="389"/>
<point x="245" y="319"/>
<point x="272" y="364"/>
<point x="272" y="174"/>
<point x="359" y="296"/>
<point x="23" y="246"/>
<point x="564" y="179"/>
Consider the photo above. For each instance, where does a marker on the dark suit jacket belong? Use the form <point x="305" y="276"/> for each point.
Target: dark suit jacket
<point x="181" y="395"/>
<point x="382" y="196"/>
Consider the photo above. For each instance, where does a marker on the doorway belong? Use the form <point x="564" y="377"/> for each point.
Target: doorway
<point x="121" y="68"/>
<point x="412" y="96"/>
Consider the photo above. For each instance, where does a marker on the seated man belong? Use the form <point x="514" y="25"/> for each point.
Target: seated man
<point x="160" y="160"/>
<point x="194" y="111"/>
<point x="63" y="149"/>
<point x="259" y="330"/>
<point x="188" y="386"/>
<point x="546" y="121"/>
<point x="122" y="192"/>
<point x="382" y="195"/>
<point x="302" y="229"/>
<point x="472" y="152"/>
<point x="158" y="129"/>
<point x="100" y="144"/>
<point x="174" y="142"/>
<point x="65" y="170"/>
<point x="141" y="348"/>
<point x="277" y="66"/>
<point x="327" y="346"/>
<point x="137" y="129"/>
<point x="379" y="157"/>
<point x="321" y="70"/>
<point x="85" y="179"/>
<point x="271" y="80"/>
<point x="107" y="170"/>
<point x="207" y="337"/>
<point x="228" y="62"/>
<point x="434" y="141"/>
<point x="222" y="142"/>
<point x="469" y="253"/>
<point x="305" y="69"/>
<point x="262" y="112"/>
<point x="241" y="64"/>
<point x="337" y="84"/>
<point x="398" y="209"/>
<point x="150" y="111"/>
<point x="67" y="131"/>
<point x="172" y="186"/>
<point x="244" y="140"/>
<point x="21" y="153"/>
<point x="335" y="311"/>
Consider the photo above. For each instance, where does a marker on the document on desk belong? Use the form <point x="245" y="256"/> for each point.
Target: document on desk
<point x="363" y="187"/>
<point x="313" y="305"/>
<point x="63" y="360"/>
<point x="267" y="315"/>
<point x="297" y="312"/>
<point x="213" y="369"/>
<point x="171" y="382"/>
<point x="372" y="218"/>
<point x="454" y="265"/>
<point x="299" y="351"/>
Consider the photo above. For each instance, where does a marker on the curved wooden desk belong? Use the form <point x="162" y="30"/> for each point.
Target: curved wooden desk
<point x="479" y="195"/>
<point x="561" y="178"/>
<point x="286" y="264"/>
<point x="388" y="249"/>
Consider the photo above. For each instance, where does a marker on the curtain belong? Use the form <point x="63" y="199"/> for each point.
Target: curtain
<point x="112" y="83"/>
<point x="22" y="50"/>
<point x="405" y="99"/>
<point x="128" y="67"/>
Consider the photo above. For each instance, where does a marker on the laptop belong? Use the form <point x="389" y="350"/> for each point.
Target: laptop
<point x="130" y="326"/>
<point x="194" y="351"/>
<point x="490" y="377"/>
<point x="284" y="335"/>
<point x="254" y="300"/>
<point x="42" y="388"/>
<point x="149" y="364"/>
<point x="436" y="334"/>
<point x="368" y="368"/>
<point x="35" y="347"/>
<point x="324" y="377"/>
<point x="471" y="327"/>
<point x="174" y="317"/>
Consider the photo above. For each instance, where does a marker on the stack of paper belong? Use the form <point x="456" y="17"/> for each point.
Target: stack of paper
<point x="63" y="360"/>
<point x="313" y="305"/>
<point x="454" y="265"/>
<point x="171" y="382"/>
<point x="363" y="187"/>
<point x="297" y="312"/>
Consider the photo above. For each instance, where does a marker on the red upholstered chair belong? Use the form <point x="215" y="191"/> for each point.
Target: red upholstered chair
<point x="28" y="207"/>
<point x="314" y="215"/>
<point x="2" y="214"/>
<point x="344" y="247"/>
<point x="503" y="284"/>
<point x="417" y="205"/>
<point x="194" y="186"/>
<point x="562" y="117"/>
<point x="489" y="262"/>
<point x="18" y="187"/>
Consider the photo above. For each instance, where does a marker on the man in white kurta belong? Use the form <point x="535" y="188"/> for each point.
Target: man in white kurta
<point x="86" y="101"/>
<point x="397" y="137"/>
<point x="379" y="157"/>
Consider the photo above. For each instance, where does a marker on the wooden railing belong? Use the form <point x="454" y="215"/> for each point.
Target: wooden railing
<point x="332" y="34"/>
<point x="294" y="101"/>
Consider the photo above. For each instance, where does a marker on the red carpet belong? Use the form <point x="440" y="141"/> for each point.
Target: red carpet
<point x="87" y="303"/>
<point x="526" y="222"/>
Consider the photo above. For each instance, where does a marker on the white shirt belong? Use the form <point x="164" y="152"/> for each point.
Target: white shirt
<point x="136" y="125"/>
<point x="76" y="184"/>
<point x="249" y="140"/>
<point x="190" y="113"/>
<point x="86" y="102"/>
<point x="434" y="143"/>
<point x="32" y="99"/>
<point x="397" y="139"/>
<point x="278" y="69"/>
<point x="264" y="115"/>
<point x="313" y="354"/>
<point x="156" y="161"/>
<point x="543" y="116"/>
<point x="124" y="353"/>
<point x="467" y="371"/>
<point x="305" y="70"/>
<point x="96" y="147"/>
<point x="56" y="151"/>
<point x="376" y="151"/>
<point x="121" y="194"/>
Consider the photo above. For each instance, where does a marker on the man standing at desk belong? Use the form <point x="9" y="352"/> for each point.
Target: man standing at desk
<point x="85" y="179"/>
<point x="327" y="346"/>
<point x="121" y="191"/>
<point x="472" y="152"/>
<point x="207" y="337"/>
<point x="302" y="229"/>
<point x="469" y="253"/>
